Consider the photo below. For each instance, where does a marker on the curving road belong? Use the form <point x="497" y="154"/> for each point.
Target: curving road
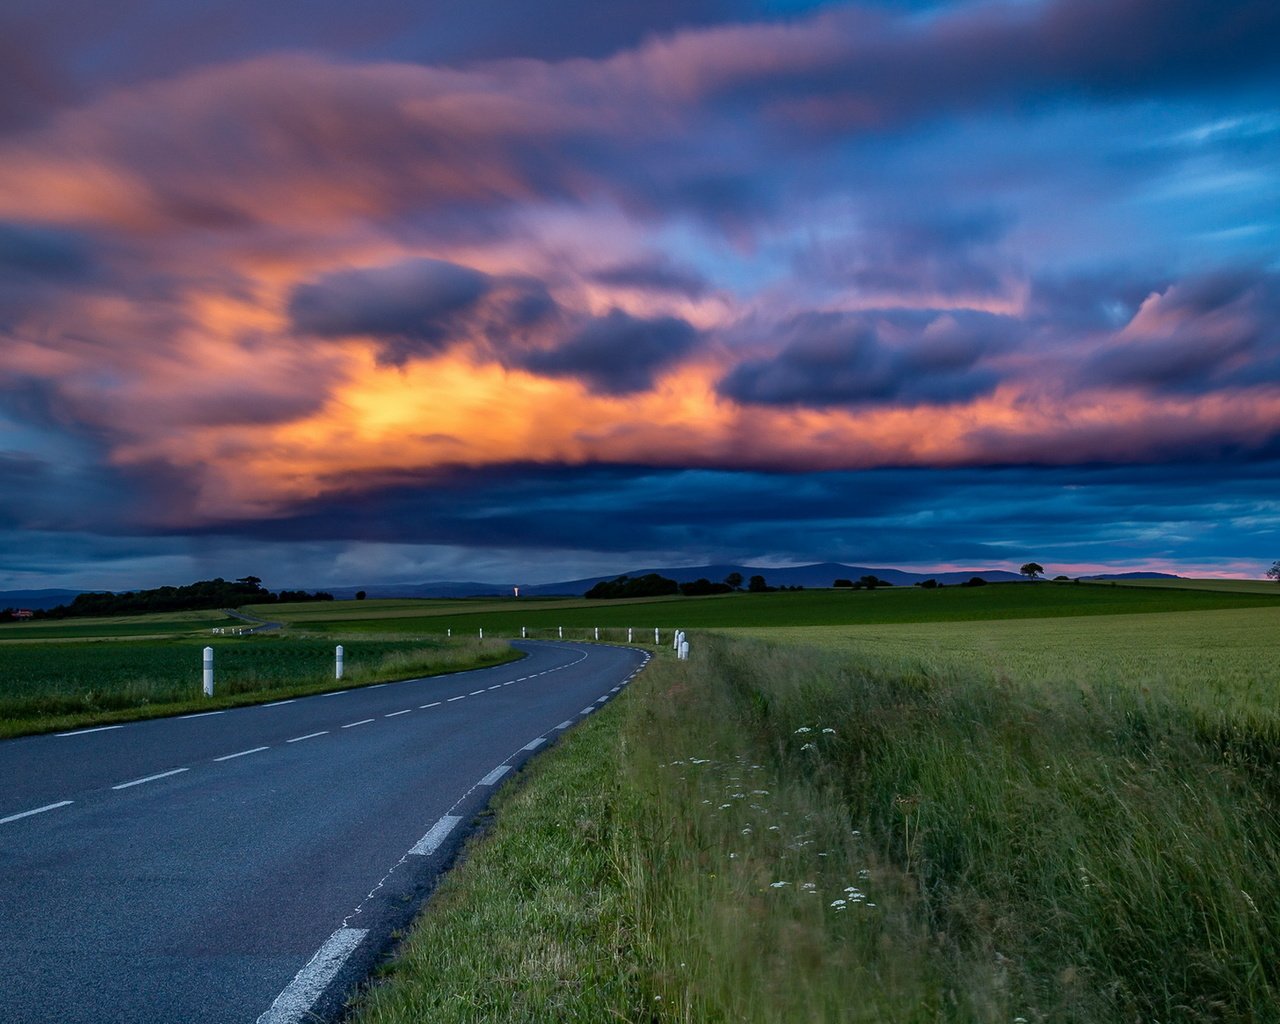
<point x="250" y="864"/>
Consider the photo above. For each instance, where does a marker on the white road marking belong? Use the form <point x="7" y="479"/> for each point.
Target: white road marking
<point x="496" y="686"/>
<point x="376" y="686"/>
<point x="475" y="693"/>
<point x="278" y="703"/>
<point x="429" y="843"/>
<point x="534" y="744"/>
<point x="565" y="725"/>
<point x="586" y="711"/>
<point x="615" y="689"/>
<point x="294" y="1003"/>
<point x="85" y="732"/>
<point x="433" y="704"/>
<point x="394" y="713"/>
<point x="462" y="696"/>
<point x="240" y="753"/>
<point x="149" y="778"/>
<point x="601" y="700"/>
<point x="510" y="681"/>
<point x="38" y="810"/>
<point x="308" y="736"/>
<point x="334" y="693"/>
<point x="202" y="714"/>
<point x="352" y="725"/>
<point x="494" y="775"/>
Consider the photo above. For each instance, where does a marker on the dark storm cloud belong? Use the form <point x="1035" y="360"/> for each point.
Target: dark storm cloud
<point x="834" y="359"/>
<point x="412" y="308"/>
<point x="654" y="275"/>
<point x="1199" y="335"/>
<point x="43" y="253"/>
<point x="616" y="354"/>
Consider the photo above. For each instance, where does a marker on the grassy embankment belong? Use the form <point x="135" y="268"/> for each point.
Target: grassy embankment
<point x="1057" y="840"/>
<point x="66" y="683"/>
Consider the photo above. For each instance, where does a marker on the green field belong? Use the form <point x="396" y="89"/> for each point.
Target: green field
<point x="1229" y="586"/>
<point x="65" y="684"/>
<point x="122" y="627"/>
<point x="792" y="608"/>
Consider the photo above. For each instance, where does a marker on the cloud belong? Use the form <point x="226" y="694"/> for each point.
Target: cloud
<point x="411" y="308"/>
<point x="616" y="354"/>
<point x="1196" y="336"/>
<point x="653" y="275"/>
<point x="834" y="359"/>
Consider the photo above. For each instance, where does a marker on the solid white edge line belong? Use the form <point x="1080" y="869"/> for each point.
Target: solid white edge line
<point x="332" y="693"/>
<point x="308" y="736"/>
<point x="85" y="732"/>
<point x="149" y="778"/>
<point x="240" y="753"/>
<point x="494" y="775"/>
<point x="429" y="843"/>
<point x="352" y="725"/>
<point x="534" y="744"/>
<point x="38" y="810"/>
<point x="295" y="1002"/>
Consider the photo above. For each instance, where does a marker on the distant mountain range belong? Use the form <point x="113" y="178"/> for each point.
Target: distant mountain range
<point x="821" y="574"/>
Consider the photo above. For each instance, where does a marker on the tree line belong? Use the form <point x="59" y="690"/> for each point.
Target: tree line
<point x="200" y="596"/>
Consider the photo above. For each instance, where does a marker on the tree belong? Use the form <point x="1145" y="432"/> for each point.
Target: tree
<point x="757" y="585"/>
<point x="1032" y="570"/>
<point x="843" y="583"/>
<point x="360" y="595"/>
<point x="1274" y="572"/>
<point x="734" y="579"/>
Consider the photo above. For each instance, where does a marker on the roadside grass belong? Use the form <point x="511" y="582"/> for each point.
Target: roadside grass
<point x="791" y="608"/>
<point x="66" y="685"/>
<point x="1004" y="849"/>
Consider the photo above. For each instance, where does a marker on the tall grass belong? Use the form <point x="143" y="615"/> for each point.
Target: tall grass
<point x="769" y="834"/>
<point x="67" y="684"/>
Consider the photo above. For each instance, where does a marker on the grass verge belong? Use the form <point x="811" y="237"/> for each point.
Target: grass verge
<point x="53" y="687"/>
<point x="770" y="834"/>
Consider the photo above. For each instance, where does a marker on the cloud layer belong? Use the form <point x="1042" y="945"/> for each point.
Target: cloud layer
<point x="312" y="274"/>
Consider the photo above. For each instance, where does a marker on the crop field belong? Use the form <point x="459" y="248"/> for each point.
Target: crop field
<point x="1068" y="820"/>
<point x="1227" y="586"/>
<point x="65" y="684"/>
<point x="124" y="626"/>
<point x="792" y="608"/>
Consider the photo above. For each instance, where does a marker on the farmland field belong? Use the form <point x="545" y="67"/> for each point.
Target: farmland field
<point x="123" y="626"/>
<point x="792" y="608"/>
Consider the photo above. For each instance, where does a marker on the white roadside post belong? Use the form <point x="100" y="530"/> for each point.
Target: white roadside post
<point x="561" y="628"/>
<point x="448" y="631"/>
<point x="524" y="632"/>
<point x="597" y="632"/>
<point x="656" y="639"/>
<point x="482" y="632"/>
<point x="684" y="650"/>
<point x="208" y="671"/>
<point x="338" y="654"/>
<point x="628" y="634"/>
<point x="677" y="639"/>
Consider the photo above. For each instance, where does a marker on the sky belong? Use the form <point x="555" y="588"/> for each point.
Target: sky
<point x="339" y="294"/>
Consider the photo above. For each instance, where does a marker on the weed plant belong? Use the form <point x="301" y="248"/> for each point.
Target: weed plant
<point x="771" y="834"/>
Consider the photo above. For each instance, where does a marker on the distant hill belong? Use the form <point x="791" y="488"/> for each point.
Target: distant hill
<point x="36" y="600"/>
<point x="821" y="574"/>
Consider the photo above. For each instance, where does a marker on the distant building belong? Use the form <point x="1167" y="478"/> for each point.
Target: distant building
<point x="24" y="613"/>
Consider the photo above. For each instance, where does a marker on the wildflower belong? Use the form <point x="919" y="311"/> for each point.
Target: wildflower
<point x="722" y="806"/>
<point x="864" y="874"/>
<point x="829" y="732"/>
<point x="746" y="831"/>
<point x="808" y="886"/>
<point x="803" y="729"/>
<point x="733" y="856"/>
<point x="759" y="792"/>
<point x="775" y="828"/>
<point x="838" y="904"/>
<point x="856" y="834"/>
<point x="778" y="885"/>
<point x="808" y="746"/>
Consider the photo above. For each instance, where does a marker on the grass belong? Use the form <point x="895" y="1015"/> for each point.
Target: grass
<point x="65" y="685"/>
<point x="116" y="627"/>
<point x="1227" y="586"/>
<point x="1005" y="848"/>
<point x="803" y="608"/>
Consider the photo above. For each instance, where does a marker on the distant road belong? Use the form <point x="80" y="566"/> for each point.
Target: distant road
<point x="249" y="864"/>
<point x="259" y="625"/>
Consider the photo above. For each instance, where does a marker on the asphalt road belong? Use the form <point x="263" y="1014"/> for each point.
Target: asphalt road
<point x="250" y="864"/>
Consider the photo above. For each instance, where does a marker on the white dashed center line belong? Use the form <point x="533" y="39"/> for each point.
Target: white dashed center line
<point x="394" y="713"/>
<point x="461" y="696"/>
<point x="475" y="693"/>
<point x="202" y="714"/>
<point x="433" y="704"/>
<point x="334" y="693"/>
<point x="278" y="703"/>
<point x="308" y="736"/>
<point x="38" y="810"/>
<point x="352" y="725"/>
<point x="240" y="753"/>
<point x="149" y="778"/>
